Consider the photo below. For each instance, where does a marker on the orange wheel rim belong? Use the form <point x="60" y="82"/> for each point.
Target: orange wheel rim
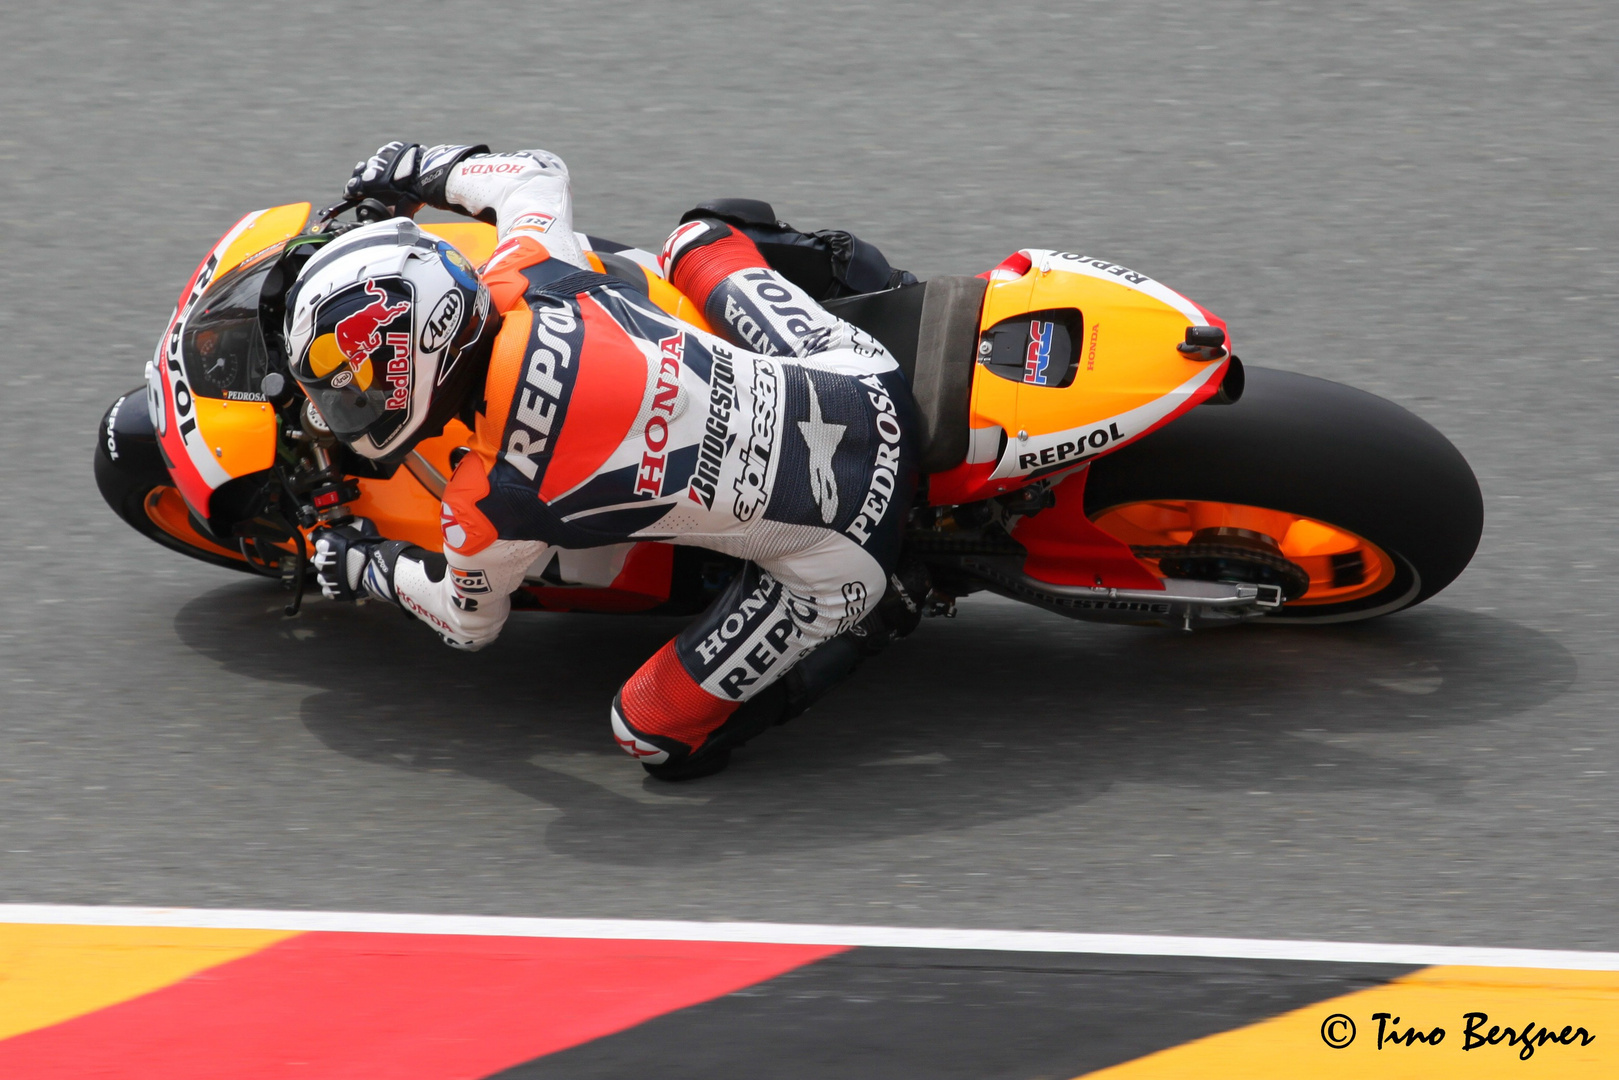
<point x="1342" y="566"/>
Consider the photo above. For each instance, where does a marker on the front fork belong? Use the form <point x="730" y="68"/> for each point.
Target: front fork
<point x="317" y="491"/>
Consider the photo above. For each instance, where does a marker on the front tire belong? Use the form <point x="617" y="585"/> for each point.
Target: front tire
<point x="133" y="479"/>
<point x="1311" y="449"/>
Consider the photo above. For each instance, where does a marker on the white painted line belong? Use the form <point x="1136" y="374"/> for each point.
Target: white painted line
<point x="881" y="937"/>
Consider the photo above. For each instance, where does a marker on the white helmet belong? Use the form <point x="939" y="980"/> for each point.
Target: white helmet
<point x="376" y="324"/>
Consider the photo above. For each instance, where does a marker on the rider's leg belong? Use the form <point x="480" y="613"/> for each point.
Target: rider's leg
<point x="760" y="309"/>
<point x="720" y="681"/>
<point x="827" y="264"/>
<point x="820" y="542"/>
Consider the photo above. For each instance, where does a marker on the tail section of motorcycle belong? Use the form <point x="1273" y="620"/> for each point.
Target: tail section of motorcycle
<point x="1105" y="456"/>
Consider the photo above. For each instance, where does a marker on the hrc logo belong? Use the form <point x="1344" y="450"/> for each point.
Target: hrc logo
<point x="1039" y="355"/>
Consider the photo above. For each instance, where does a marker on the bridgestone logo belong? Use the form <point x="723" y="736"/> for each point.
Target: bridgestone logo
<point x="716" y="434"/>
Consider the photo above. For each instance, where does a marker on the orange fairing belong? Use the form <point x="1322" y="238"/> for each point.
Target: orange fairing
<point x="167" y="510"/>
<point x="473" y="239"/>
<point x="1120" y="376"/>
<point x="402" y="509"/>
<point x="1341" y="565"/>
<point x="240" y="434"/>
<point x="665" y="295"/>
<point x="265" y="230"/>
<point x="209" y="441"/>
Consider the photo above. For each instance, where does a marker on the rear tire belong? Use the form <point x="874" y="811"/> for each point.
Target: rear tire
<point x="1321" y="450"/>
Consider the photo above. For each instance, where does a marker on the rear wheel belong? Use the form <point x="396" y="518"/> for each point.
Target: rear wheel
<point x="1356" y="506"/>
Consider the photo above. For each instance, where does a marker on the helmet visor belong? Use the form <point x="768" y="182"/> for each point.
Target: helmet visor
<point x="353" y="413"/>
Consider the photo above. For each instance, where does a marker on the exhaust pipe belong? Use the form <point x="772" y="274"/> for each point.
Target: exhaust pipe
<point x="1231" y="384"/>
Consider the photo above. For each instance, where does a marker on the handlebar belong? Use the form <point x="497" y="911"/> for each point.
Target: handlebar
<point x="365" y="209"/>
<point x="335" y="209"/>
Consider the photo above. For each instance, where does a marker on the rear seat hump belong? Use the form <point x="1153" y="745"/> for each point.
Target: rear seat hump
<point x="932" y="331"/>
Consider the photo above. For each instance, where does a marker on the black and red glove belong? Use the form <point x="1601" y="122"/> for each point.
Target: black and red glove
<point x="354" y="562"/>
<point x="402" y="176"/>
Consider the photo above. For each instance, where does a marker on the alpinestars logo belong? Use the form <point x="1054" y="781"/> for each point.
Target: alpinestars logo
<point x="677" y="242"/>
<point x="751" y="486"/>
<point x="822" y="440"/>
<point x="649" y="477"/>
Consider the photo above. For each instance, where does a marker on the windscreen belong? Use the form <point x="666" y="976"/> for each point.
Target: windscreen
<point x="222" y="346"/>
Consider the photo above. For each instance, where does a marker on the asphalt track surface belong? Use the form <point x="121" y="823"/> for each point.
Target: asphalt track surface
<point x="1415" y="199"/>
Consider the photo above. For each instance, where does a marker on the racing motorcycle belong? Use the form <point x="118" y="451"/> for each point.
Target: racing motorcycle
<point x="1089" y="442"/>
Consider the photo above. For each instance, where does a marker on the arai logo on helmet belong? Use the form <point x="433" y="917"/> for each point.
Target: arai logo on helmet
<point x="345" y="356"/>
<point x="444" y="322"/>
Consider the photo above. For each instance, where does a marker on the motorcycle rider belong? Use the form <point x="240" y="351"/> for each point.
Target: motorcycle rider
<point x="598" y="419"/>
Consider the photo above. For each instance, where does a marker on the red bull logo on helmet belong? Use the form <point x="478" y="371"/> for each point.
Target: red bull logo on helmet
<point x="360" y="334"/>
<point x="349" y="354"/>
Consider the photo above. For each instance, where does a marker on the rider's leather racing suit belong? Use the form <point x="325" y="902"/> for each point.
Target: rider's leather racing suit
<point x="787" y="444"/>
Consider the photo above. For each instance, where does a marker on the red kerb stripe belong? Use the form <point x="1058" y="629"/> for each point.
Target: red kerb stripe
<point x="393" y="1007"/>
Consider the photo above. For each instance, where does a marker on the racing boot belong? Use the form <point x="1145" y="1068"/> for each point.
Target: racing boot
<point x="827" y="264"/>
<point x="663" y="755"/>
<point x="665" y="758"/>
<point x="781" y="701"/>
<point x="688" y="748"/>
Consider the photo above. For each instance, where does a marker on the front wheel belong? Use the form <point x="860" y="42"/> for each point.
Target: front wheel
<point x="1368" y="502"/>
<point x="133" y="479"/>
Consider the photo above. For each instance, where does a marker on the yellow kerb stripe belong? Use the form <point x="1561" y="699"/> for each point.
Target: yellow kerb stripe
<point x="49" y="974"/>
<point x="1290" y="1046"/>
